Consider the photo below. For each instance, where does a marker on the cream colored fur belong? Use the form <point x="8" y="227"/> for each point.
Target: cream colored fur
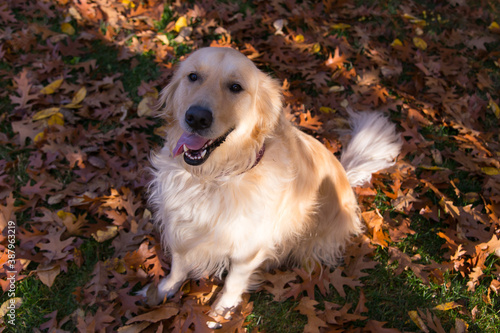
<point x="295" y="205"/>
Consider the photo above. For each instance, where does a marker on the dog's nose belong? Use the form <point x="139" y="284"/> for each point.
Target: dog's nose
<point x="198" y="118"/>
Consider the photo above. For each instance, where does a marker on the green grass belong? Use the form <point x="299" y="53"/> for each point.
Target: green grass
<point x="271" y="316"/>
<point x="40" y="300"/>
<point x="106" y="58"/>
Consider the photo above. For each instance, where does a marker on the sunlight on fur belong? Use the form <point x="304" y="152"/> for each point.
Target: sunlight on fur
<point x="221" y="205"/>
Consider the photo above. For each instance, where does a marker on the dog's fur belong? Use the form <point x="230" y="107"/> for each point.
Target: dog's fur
<point x="238" y="213"/>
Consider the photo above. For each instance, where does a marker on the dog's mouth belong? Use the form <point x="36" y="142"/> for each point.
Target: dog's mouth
<point x="197" y="149"/>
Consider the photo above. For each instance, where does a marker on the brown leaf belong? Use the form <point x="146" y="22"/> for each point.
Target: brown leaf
<point x="279" y="280"/>
<point x="306" y="307"/>
<point x="48" y="274"/>
<point x="165" y="311"/>
<point x="338" y="282"/>
<point x="375" y="223"/>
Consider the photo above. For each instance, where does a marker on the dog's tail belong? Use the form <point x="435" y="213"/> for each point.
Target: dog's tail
<point x="374" y="146"/>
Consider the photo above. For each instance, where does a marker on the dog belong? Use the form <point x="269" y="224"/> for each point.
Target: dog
<point x="237" y="187"/>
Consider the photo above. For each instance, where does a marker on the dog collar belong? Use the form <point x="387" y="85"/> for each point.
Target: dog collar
<point x="260" y="154"/>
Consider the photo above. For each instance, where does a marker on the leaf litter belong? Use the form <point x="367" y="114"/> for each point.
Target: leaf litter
<point x="76" y="145"/>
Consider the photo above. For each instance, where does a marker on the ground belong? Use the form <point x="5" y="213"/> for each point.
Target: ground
<point x="79" y="82"/>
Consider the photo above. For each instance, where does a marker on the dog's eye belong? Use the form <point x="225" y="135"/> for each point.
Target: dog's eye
<point x="193" y="77"/>
<point x="235" y="88"/>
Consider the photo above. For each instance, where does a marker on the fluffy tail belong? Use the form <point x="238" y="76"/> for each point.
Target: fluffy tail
<point x="374" y="146"/>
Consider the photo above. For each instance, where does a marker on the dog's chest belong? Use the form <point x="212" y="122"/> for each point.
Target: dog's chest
<point x="230" y="210"/>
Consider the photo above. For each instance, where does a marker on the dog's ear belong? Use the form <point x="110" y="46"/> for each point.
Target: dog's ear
<point x="269" y="104"/>
<point x="164" y="105"/>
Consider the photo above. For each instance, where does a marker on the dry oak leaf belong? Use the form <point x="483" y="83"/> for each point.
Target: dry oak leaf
<point x="405" y="262"/>
<point x="23" y="89"/>
<point x="309" y="122"/>
<point x="279" y="280"/>
<point x="338" y="282"/>
<point x="48" y="274"/>
<point x="56" y="248"/>
<point x="309" y="281"/>
<point x="340" y="317"/>
<point x="432" y="321"/>
<point x="306" y="307"/>
<point x="374" y="326"/>
<point x="375" y="222"/>
<point x="358" y="259"/>
<point x="164" y="312"/>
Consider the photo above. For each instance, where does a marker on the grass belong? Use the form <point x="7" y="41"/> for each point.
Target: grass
<point x="39" y="300"/>
<point x="272" y="316"/>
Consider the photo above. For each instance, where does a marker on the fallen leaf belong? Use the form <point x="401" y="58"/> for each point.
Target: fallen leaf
<point x="48" y="274"/>
<point x="494" y="107"/>
<point x="447" y="306"/>
<point x="418" y="321"/>
<point x="77" y="99"/>
<point x="51" y="87"/>
<point x="180" y="23"/>
<point x="68" y="29"/>
<point x="104" y="235"/>
<point x="166" y="311"/>
<point x="420" y="43"/>
<point x="46" y="113"/>
<point x="10" y="304"/>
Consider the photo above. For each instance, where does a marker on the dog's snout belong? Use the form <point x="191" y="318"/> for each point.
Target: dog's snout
<point x="198" y="118"/>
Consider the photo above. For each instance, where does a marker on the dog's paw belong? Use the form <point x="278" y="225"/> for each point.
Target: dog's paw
<point x="213" y="325"/>
<point x="154" y="295"/>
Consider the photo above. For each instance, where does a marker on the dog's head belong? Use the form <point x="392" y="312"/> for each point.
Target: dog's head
<point x="219" y="108"/>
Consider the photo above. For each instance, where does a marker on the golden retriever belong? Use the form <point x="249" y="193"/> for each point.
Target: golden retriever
<point x="237" y="187"/>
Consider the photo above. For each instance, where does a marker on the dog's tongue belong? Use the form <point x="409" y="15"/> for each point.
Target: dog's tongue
<point x="192" y="142"/>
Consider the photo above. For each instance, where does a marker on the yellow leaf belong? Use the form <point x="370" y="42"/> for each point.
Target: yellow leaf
<point x="116" y="264"/>
<point x="62" y="214"/>
<point x="46" y="113"/>
<point x="146" y="106"/>
<point x="418" y="321"/>
<point x="299" y="38"/>
<point x="494" y="107"/>
<point x="316" y="48"/>
<point x="180" y="23"/>
<point x="340" y="26"/>
<point x="420" y="43"/>
<point x="128" y="3"/>
<point x="52" y="87"/>
<point x="104" y="235"/>
<point x="409" y="17"/>
<point x="396" y="42"/>
<point x="153" y="93"/>
<point x="326" y="109"/>
<point x="431" y="167"/>
<point x="494" y="26"/>
<point x="336" y="89"/>
<point x="9" y="304"/>
<point x="67" y="29"/>
<point x="56" y="119"/>
<point x="447" y="306"/>
<point x="490" y="171"/>
<point x="419" y="22"/>
<point x="39" y="137"/>
<point x="163" y="39"/>
<point x="77" y="98"/>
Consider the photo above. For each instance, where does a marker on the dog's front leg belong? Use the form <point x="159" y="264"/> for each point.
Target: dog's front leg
<point x="237" y="282"/>
<point x="179" y="271"/>
<point x="169" y="285"/>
